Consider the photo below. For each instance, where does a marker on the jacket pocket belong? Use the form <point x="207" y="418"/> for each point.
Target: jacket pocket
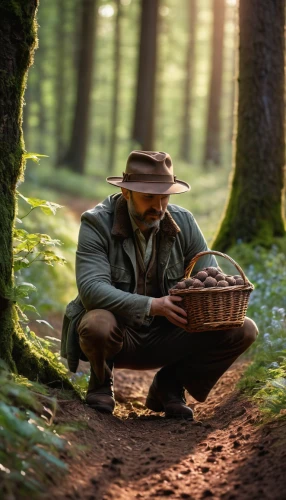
<point x="120" y="278"/>
<point x="175" y="273"/>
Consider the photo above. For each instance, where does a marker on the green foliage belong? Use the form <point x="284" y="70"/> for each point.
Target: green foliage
<point x="29" y="442"/>
<point x="55" y="284"/>
<point x="264" y="378"/>
<point x="33" y="245"/>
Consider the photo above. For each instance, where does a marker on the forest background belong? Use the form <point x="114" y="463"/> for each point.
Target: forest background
<point x="85" y="107"/>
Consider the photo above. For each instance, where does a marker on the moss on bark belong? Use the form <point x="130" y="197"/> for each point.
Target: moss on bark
<point x="254" y="209"/>
<point x="18" y="39"/>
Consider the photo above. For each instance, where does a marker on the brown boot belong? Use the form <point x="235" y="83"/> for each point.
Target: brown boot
<point x="169" y="396"/>
<point x="100" y="396"/>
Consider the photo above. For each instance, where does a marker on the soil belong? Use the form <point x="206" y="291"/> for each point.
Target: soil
<point x="225" y="453"/>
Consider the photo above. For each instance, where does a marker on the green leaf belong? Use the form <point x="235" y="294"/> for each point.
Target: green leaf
<point x="45" y="322"/>
<point x="34" y="157"/>
<point x="20" y="263"/>
<point x="280" y="383"/>
<point x="51" y="458"/>
<point x="21" y="291"/>
<point x="47" y="207"/>
<point x="29" y="307"/>
<point x="20" y="234"/>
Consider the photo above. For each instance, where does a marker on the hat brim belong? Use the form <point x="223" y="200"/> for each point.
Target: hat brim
<point x="151" y="187"/>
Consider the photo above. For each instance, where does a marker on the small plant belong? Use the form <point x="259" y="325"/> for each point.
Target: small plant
<point x="29" y="443"/>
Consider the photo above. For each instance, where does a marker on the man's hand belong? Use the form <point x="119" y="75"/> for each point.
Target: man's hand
<point x="168" y="306"/>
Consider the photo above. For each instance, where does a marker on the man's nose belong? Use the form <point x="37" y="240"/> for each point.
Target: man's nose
<point x="157" y="205"/>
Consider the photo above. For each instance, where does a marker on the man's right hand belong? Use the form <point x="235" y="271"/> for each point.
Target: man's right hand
<point x="168" y="306"/>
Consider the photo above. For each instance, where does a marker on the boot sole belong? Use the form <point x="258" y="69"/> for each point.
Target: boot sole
<point x="102" y="409"/>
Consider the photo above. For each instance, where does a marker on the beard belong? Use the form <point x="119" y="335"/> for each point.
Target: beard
<point x="144" y="218"/>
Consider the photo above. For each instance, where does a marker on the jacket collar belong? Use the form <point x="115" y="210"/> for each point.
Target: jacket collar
<point x="122" y="226"/>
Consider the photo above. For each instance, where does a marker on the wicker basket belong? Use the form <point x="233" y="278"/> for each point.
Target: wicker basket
<point x="214" y="308"/>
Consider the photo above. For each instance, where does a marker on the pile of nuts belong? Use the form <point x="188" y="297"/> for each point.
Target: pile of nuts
<point x="208" y="278"/>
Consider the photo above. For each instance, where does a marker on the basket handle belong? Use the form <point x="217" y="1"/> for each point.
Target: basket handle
<point x="213" y="252"/>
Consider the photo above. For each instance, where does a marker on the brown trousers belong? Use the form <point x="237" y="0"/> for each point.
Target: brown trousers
<point x="196" y="360"/>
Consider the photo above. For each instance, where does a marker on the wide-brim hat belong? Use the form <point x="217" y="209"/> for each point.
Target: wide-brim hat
<point x="150" y="172"/>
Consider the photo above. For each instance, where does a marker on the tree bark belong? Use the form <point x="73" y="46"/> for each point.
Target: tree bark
<point x="254" y="210"/>
<point x="18" y="38"/>
<point x="116" y="85"/>
<point x="189" y="72"/>
<point x="76" y="155"/>
<point x="212" y="146"/>
<point x="143" y="125"/>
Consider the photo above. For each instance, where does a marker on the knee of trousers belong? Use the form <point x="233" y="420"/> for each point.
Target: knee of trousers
<point x="96" y="328"/>
<point x="250" y="331"/>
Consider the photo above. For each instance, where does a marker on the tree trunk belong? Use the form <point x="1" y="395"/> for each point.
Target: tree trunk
<point x="18" y="42"/>
<point x="234" y="69"/>
<point x="60" y="117"/>
<point x="212" y="145"/>
<point x="76" y="154"/>
<point x="254" y="211"/>
<point x="189" y="72"/>
<point x="143" y="125"/>
<point x="116" y="83"/>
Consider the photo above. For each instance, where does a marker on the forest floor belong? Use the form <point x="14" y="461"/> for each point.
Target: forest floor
<point x="225" y="453"/>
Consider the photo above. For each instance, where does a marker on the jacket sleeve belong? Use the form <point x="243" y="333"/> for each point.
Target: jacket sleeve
<point x="93" y="276"/>
<point x="197" y="243"/>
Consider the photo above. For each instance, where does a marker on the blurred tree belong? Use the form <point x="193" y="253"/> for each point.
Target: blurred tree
<point x="116" y="83"/>
<point x="189" y="78"/>
<point x="212" y="145"/>
<point x="60" y="81"/>
<point x="76" y="153"/>
<point x="143" y="125"/>
<point x="254" y="210"/>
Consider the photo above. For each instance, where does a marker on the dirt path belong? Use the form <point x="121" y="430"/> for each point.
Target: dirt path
<point x="136" y="454"/>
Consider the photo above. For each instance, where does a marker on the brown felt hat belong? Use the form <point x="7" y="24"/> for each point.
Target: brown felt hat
<point x="150" y="172"/>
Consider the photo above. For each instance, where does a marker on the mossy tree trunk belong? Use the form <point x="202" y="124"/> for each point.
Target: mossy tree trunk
<point x="18" y="40"/>
<point x="254" y="209"/>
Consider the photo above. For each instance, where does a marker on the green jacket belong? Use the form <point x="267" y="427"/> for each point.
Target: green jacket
<point x="106" y="265"/>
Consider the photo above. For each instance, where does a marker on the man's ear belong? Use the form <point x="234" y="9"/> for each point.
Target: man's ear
<point x="125" y="193"/>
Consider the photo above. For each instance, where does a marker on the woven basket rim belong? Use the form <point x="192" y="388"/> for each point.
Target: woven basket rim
<point x="215" y="289"/>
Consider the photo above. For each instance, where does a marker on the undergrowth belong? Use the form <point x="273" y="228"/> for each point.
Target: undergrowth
<point x="265" y="379"/>
<point x="30" y="445"/>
